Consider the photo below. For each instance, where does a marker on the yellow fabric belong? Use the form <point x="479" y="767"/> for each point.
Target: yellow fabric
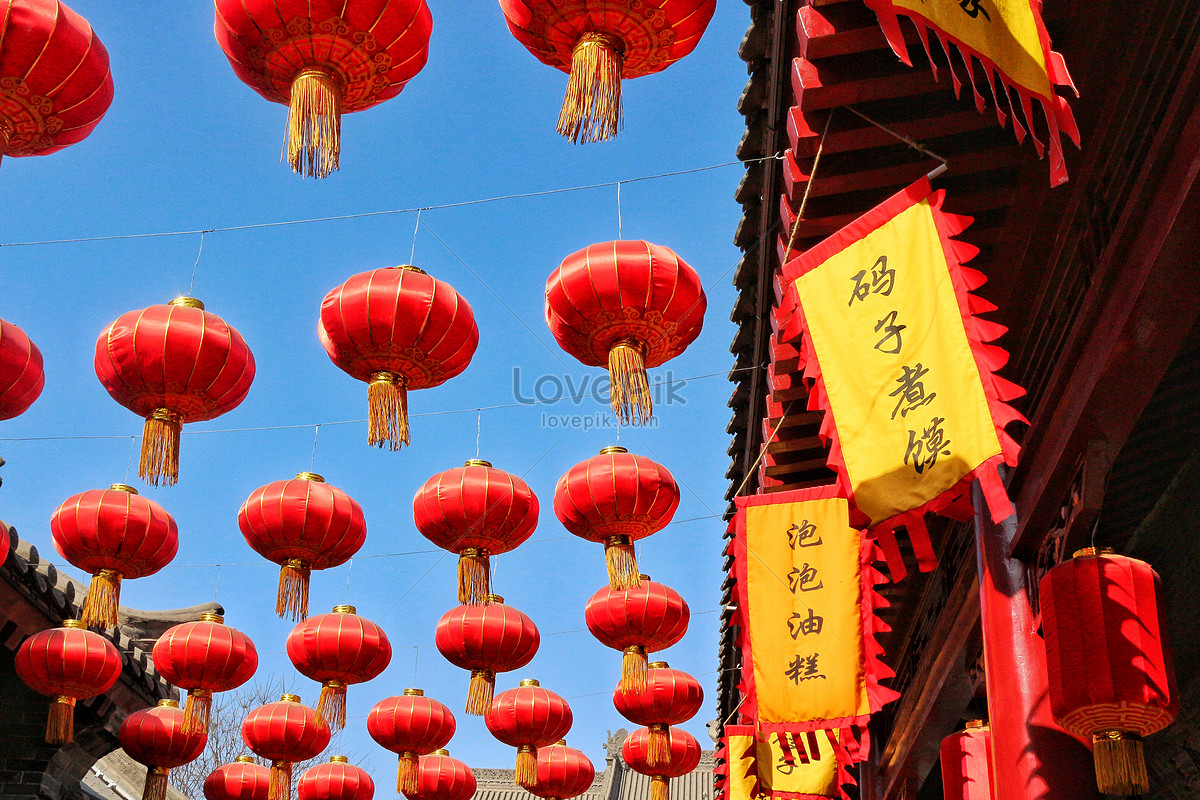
<point x="886" y="428"/>
<point x="779" y="772"/>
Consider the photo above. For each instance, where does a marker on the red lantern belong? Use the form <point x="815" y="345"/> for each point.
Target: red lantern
<point x="634" y="621"/>
<point x="241" y="780"/>
<point x="284" y="733"/>
<point x="172" y="364"/>
<point x="486" y="639"/>
<point x="322" y="61"/>
<point x="527" y="718"/>
<point x="398" y="330"/>
<point x="337" y="650"/>
<point x="203" y="657"/>
<point x="670" y="697"/>
<point x="440" y="777"/>
<point x="155" y="737"/>
<point x="411" y="725"/>
<point x="476" y="511"/>
<point x="628" y="305"/>
<point x="616" y="498"/>
<point x="21" y="375"/>
<point x="599" y="43"/>
<point x="337" y="780"/>
<point x="967" y="763"/>
<point x="1111" y="675"/>
<point x="302" y="524"/>
<point x="68" y="664"/>
<point x="55" y="84"/>
<point x="684" y="757"/>
<point x="562" y="772"/>
<point x="112" y="533"/>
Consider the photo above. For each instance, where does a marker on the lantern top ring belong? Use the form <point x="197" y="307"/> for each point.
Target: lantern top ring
<point x="441" y="751"/>
<point x="338" y="760"/>
<point x="972" y="724"/>
<point x="211" y="616"/>
<point x="657" y="665"/>
<point x="410" y="268"/>
<point x="477" y="462"/>
<point x="616" y="448"/>
<point x="414" y="692"/>
<point x="186" y="302"/>
<point x="168" y="703"/>
<point x="530" y="682"/>
<point x="495" y="598"/>
<point x="309" y="476"/>
<point x="1093" y="551"/>
<point x="289" y="698"/>
<point x="244" y="760"/>
<point x="74" y="624"/>
<point x="345" y="610"/>
<point x="121" y="487"/>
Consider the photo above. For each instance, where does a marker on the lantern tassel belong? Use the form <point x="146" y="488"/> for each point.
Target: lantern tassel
<point x="660" y="788"/>
<point x="526" y="775"/>
<point x="591" y="110"/>
<point x="1120" y="764"/>
<point x="629" y="388"/>
<point x="292" y="597"/>
<point x="474" y="577"/>
<point x="387" y="399"/>
<point x="5" y="133"/>
<point x="60" y="725"/>
<point x="331" y="706"/>
<point x="622" y="563"/>
<point x="633" y="670"/>
<point x="156" y="784"/>
<point x="159" y="463"/>
<point x="103" y="598"/>
<point x="408" y="777"/>
<point x="658" y="751"/>
<point x="314" y="142"/>
<point x="196" y="711"/>
<point x="281" y="781"/>
<point x="480" y="691"/>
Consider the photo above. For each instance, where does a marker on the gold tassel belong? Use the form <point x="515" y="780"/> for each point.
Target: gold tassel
<point x="629" y="388"/>
<point x="103" y="598"/>
<point x="660" y="788"/>
<point x="633" y="670"/>
<point x="60" y="725"/>
<point x="408" y="778"/>
<point x="160" y="448"/>
<point x="5" y="133"/>
<point x="622" y="563"/>
<point x="474" y="577"/>
<point x="480" y="691"/>
<point x="281" y="781"/>
<point x="526" y="776"/>
<point x="156" y="784"/>
<point x="591" y="110"/>
<point x="314" y="141"/>
<point x="1120" y="764"/>
<point x="387" y="400"/>
<point x="196" y="711"/>
<point x="331" y="706"/>
<point x="658" y="752"/>
<point x="292" y="597"/>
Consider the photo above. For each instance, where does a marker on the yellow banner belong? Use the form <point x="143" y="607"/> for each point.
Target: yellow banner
<point x="774" y="768"/>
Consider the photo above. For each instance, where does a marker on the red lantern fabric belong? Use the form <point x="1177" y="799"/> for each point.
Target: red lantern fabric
<point x="301" y="524"/>
<point x="336" y="650"/>
<point x="562" y="772"/>
<point x="440" y="777"/>
<point x="967" y="763"/>
<point x="670" y="697"/>
<point x="476" y="511"/>
<point x="648" y="618"/>
<point x="599" y="43"/>
<point x="112" y="533"/>
<point x="172" y="364"/>
<point x="397" y="329"/>
<point x="628" y="305"/>
<point x="203" y="657"/>
<point x="284" y="733"/>
<point x="685" y="757"/>
<point x="411" y="725"/>
<point x="336" y="780"/>
<point x="67" y="664"/>
<point x="486" y="639"/>
<point x="527" y="718"/>
<point x="241" y="780"/>
<point x="323" y="60"/>
<point x="21" y="375"/>
<point x="155" y="737"/>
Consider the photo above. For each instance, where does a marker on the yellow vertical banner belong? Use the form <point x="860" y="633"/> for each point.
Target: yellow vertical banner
<point x="779" y="767"/>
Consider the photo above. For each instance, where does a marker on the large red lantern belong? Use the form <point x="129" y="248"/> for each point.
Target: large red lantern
<point x="411" y="725"/>
<point x="67" y="664"/>
<point x="336" y="780"/>
<point x="476" y="511"/>
<point x="397" y="329"/>
<point x="527" y="718"/>
<point x="21" y="374"/>
<point x="600" y="42"/>
<point x="635" y="621"/>
<point x="112" y="533"/>
<point x="203" y="657"/>
<point x="156" y="738"/>
<point x="301" y="524"/>
<point x="172" y="364"/>
<point x="440" y="777"/>
<point x="284" y="733"/>
<point x="684" y="757"/>
<point x="55" y="83"/>
<point x="486" y="639"/>
<point x="628" y="305"/>
<point x="670" y="697"/>
<point x="562" y="772"/>
<point x="967" y="763"/>
<point x="241" y="780"/>
<point x="323" y="60"/>
<point x="336" y="650"/>
<point x="616" y="498"/>
<point x="1111" y="675"/>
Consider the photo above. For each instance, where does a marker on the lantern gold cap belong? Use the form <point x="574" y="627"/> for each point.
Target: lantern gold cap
<point x="643" y="577"/>
<point x="657" y="665"/>
<point x="244" y="760"/>
<point x="561" y="743"/>
<point x="477" y="462"/>
<point x="1093" y="551"/>
<point x="168" y="704"/>
<point x="309" y="476"/>
<point x="441" y="751"/>
<point x="74" y="624"/>
<point x="345" y="610"/>
<point x="121" y="487"/>
<point x="338" y="760"/>
<point x="495" y="598"/>
<point x="530" y="682"/>
<point x="186" y="302"/>
<point x="289" y="698"/>
<point x="211" y="616"/>
<point x="414" y="692"/>
<point x="972" y="724"/>
<point x="616" y="448"/>
<point x="410" y="268"/>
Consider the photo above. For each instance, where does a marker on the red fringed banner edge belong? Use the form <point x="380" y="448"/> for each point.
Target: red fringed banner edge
<point x="721" y="773"/>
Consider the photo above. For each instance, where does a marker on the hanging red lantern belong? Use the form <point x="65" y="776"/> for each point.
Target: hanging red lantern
<point x="397" y="329"/>
<point x="284" y="733"/>
<point x="336" y="780"/>
<point x="562" y="772"/>
<point x="112" y="533"/>
<point x="1111" y="675"/>
<point x="336" y="650"/>
<point x="486" y="639"/>
<point x="55" y="83"/>
<point x="635" y="621"/>
<point x="476" y="511"/>
<point x="155" y="738"/>
<point x="241" y="780"/>
<point x="301" y="524"/>
<point x="21" y="375"/>
<point x="684" y="757"/>
<point x="527" y="718"/>
<point x="203" y="657"/>
<point x="616" y="498"/>
<point x="628" y="305"/>
<point x="598" y="43"/>
<point x="967" y="763"/>
<point x="322" y="61"/>
<point x="68" y="664"/>
<point x="670" y="697"/>
<point x="440" y="777"/>
<point x="172" y="364"/>
<point x="411" y="725"/>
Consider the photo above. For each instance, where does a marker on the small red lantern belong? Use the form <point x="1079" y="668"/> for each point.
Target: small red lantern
<point x="112" y="533"/>
<point x="337" y="780"/>
<point x="241" y="780"/>
<point x="302" y="524"/>
<point x="203" y="657"/>
<point x="670" y="697"/>
<point x="616" y="498"/>
<point x="1111" y="675"/>
<point x="651" y="617"/>
<point x="284" y="733"/>
<point x="443" y="778"/>
<point x="155" y="737"/>
<point x="967" y="763"/>
<point x="486" y="639"/>
<point x="476" y="511"/>
<point x="172" y="364"/>
<point x="628" y="305"/>
<point x="562" y="772"/>
<point x="527" y="718"/>
<point x="397" y="329"/>
<point x="21" y="374"/>
<point x="411" y="725"/>
<point x="684" y="757"/>
<point x="337" y="650"/>
<point x="68" y="664"/>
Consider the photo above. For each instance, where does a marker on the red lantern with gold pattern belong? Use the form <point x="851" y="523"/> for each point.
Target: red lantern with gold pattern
<point x="635" y="621"/>
<point x="476" y="511"/>
<point x="411" y="725"/>
<point x="670" y="697"/>
<point x="323" y="60"/>
<point x="967" y="763"/>
<point x="336" y="650"/>
<point x="440" y="777"/>
<point x="1111" y="674"/>
<point x="284" y="733"/>
<point x="486" y="639"/>
<point x="172" y="364"/>
<point x="67" y="664"/>
<point x="336" y="780"/>
<point x="21" y="374"/>
<point x="684" y="757"/>
<point x="397" y="329"/>
<point x="562" y="772"/>
<point x="527" y="718"/>
<point x="241" y="780"/>
<point x="155" y="737"/>
<point x="203" y="657"/>
<point x="301" y="524"/>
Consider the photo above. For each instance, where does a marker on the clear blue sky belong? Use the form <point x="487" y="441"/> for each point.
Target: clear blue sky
<point x="187" y="146"/>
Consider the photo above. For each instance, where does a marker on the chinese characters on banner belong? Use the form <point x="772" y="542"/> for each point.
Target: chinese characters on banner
<point x="776" y="767"/>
